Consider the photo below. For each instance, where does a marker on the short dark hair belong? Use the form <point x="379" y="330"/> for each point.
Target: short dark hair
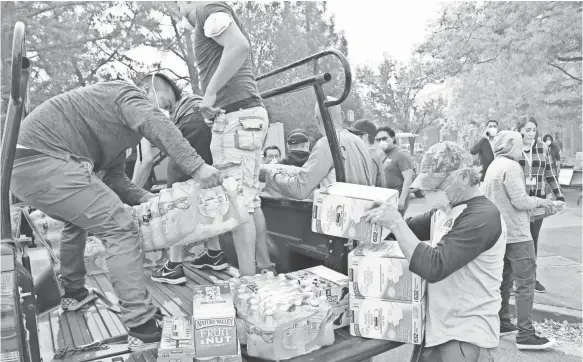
<point x="547" y="136"/>
<point x="172" y="84"/>
<point x="492" y="120"/>
<point x="389" y="130"/>
<point x="273" y="147"/>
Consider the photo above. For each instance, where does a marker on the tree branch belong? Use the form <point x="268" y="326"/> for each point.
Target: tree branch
<point x="569" y="59"/>
<point x="78" y="72"/>
<point x="565" y="72"/>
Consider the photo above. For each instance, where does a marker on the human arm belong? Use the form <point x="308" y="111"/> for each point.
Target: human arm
<point x="478" y="146"/>
<point x="116" y="179"/>
<point x="144" y="163"/>
<point x="301" y="185"/>
<point x="405" y="164"/>
<point x="472" y="233"/>
<point x="513" y="182"/>
<point x="550" y="177"/>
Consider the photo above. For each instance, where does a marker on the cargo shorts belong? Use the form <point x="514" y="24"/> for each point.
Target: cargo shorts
<point x="236" y="146"/>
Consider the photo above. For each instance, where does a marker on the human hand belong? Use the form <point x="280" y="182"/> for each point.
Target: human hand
<point x="548" y="204"/>
<point x="401" y="204"/>
<point x="207" y="176"/>
<point x="384" y="214"/>
<point x="207" y="108"/>
<point x="146" y="197"/>
<point x="560" y="206"/>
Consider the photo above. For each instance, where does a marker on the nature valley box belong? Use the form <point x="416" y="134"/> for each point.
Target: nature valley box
<point x="339" y="208"/>
<point x="325" y="282"/>
<point x="232" y="358"/>
<point x="391" y="321"/>
<point x="215" y="332"/>
<point x="381" y="271"/>
<point x="177" y="343"/>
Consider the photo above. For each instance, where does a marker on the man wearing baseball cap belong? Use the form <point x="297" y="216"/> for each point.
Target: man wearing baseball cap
<point x="367" y="130"/>
<point x="463" y="261"/>
<point x="298" y="145"/>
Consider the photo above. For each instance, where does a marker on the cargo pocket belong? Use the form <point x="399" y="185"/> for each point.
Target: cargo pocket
<point x="250" y="136"/>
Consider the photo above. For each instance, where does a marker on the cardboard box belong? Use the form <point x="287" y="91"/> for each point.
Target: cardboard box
<point x="233" y="358"/>
<point x="339" y="210"/>
<point x="391" y="321"/>
<point x="176" y="350"/>
<point x="381" y="271"/>
<point x="326" y="282"/>
<point x="341" y="316"/>
<point x="215" y="331"/>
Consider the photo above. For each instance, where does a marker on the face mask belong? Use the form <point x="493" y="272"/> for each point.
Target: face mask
<point x="166" y="113"/>
<point x="492" y="132"/>
<point x="548" y="143"/>
<point x="384" y="145"/>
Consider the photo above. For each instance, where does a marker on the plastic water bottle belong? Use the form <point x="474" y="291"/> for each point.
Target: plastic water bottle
<point x="268" y="319"/>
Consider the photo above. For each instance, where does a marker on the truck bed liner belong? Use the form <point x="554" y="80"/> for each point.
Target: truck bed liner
<point x="59" y="330"/>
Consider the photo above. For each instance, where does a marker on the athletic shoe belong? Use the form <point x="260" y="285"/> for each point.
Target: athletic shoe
<point x="539" y="288"/>
<point x="508" y="330"/>
<point x="169" y="276"/>
<point x="536" y="343"/>
<point x="73" y="301"/>
<point x="268" y="269"/>
<point x="218" y="262"/>
<point x="146" y="336"/>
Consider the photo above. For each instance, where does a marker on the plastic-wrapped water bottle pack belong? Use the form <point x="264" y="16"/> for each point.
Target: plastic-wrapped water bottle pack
<point x="278" y="318"/>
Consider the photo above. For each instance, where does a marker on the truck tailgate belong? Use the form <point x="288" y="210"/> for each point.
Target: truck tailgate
<point x="59" y="330"/>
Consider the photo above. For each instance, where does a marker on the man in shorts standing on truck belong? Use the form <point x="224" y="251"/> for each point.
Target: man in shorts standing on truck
<point x="223" y="58"/>
<point x="62" y="144"/>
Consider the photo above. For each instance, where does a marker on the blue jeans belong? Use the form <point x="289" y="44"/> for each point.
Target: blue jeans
<point x="520" y="266"/>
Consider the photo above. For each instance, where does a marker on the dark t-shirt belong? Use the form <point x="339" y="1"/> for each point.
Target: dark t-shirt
<point x="208" y="55"/>
<point x="395" y="162"/>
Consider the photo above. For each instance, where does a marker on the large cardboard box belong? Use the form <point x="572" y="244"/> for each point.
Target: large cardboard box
<point x="391" y="321"/>
<point x="339" y="210"/>
<point x="324" y="282"/>
<point x="215" y="331"/>
<point x="177" y="343"/>
<point x="381" y="271"/>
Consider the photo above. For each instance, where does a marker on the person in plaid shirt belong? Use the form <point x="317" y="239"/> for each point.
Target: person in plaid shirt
<point x="539" y="176"/>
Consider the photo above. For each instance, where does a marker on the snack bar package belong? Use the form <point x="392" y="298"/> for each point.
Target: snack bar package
<point x="324" y="282"/>
<point x="339" y="210"/>
<point x="381" y="271"/>
<point x="214" y="318"/>
<point x="391" y="321"/>
<point x="177" y="343"/>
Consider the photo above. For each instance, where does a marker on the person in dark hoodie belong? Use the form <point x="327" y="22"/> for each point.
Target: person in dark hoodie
<point x="484" y="146"/>
<point x="298" y="146"/>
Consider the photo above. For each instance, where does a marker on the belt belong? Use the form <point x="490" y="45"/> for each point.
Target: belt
<point x="25" y="152"/>
<point x="243" y="104"/>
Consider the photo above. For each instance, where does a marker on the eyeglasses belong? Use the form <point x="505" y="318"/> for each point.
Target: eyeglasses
<point x="381" y="139"/>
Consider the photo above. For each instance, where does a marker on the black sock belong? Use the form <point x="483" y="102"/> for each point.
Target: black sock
<point x="172" y="265"/>
<point x="214" y="253"/>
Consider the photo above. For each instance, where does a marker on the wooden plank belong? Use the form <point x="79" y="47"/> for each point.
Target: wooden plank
<point x="45" y="337"/>
<point x="194" y="277"/>
<point x="97" y="320"/>
<point x="181" y="295"/>
<point x="64" y="329"/>
<point x="202" y="275"/>
<point x="94" y="331"/>
<point x="218" y="274"/>
<point x="104" y="285"/>
<point x="107" y="319"/>
<point x="72" y="319"/>
<point x="165" y="301"/>
<point x="57" y="334"/>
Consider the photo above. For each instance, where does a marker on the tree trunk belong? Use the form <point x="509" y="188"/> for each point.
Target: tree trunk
<point x="190" y="63"/>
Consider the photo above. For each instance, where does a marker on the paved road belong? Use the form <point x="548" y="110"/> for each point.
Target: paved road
<point x="506" y="352"/>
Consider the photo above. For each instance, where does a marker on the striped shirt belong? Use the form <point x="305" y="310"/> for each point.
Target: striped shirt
<point x="538" y="172"/>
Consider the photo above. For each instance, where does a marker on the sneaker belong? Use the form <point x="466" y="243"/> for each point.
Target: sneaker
<point x="505" y="330"/>
<point x="536" y="343"/>
<point x="539" y="288"/>
<point x="146" y="336"/>
<point x="268" y="269"/>
<point x="218" y="262"/>
<point x="169" y="276"/>
<point x="73" y="301"/>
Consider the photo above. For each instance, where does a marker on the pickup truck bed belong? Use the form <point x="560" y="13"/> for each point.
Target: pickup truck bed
<point x="58" y="330"/>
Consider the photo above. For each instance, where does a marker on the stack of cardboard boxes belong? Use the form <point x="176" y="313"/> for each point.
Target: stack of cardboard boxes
<point x="387" y="301"/>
